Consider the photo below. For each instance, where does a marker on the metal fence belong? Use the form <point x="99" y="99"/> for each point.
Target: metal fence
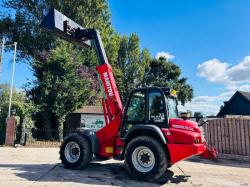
<point x="37" y="138"/>
<point x="229" y="135"/>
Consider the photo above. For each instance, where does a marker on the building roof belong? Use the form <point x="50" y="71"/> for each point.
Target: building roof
<point x="245" y="94"/>
<point x="89" y="110"/>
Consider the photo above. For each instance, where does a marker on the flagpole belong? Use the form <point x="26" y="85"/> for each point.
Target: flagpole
<point x="1" y="59"/>
<point x="12" y="78"/>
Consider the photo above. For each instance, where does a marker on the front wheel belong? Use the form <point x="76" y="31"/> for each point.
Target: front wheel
<point x="75" y="151"/>
<point x="145" y="158"/>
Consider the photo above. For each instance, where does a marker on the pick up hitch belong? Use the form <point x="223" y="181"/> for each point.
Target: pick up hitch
<point x="210" y="153"/>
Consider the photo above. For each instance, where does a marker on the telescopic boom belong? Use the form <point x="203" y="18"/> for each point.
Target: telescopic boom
<point x="64" y="27"/>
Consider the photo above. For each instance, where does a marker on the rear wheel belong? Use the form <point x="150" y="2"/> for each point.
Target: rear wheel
<point x="145" y="158"/>
<point x="75" y="151"/>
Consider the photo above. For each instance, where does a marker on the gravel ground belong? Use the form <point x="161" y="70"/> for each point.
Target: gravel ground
<point x="41" y="167"/>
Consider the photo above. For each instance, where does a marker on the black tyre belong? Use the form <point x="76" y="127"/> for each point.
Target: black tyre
<point x="145" y="158"/>
<point x="75" y="151"/>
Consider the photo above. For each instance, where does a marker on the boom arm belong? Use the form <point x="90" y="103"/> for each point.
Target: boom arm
<point x="61" y="25"/>
<point x="112" y="104"/>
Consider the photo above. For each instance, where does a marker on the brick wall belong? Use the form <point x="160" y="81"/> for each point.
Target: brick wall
<point x="10" y="131"/>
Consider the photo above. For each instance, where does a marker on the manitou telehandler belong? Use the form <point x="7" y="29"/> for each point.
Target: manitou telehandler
<point x="146" y="133"/>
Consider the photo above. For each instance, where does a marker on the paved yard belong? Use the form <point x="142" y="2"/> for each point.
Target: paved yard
<point x="41" y="167"/>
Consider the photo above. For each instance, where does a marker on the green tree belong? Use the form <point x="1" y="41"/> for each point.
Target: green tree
<point x="36" y="45"/>
<point x="121" y="66"/>
<point x="133" y="68"/>
<point x="50" y="58"/>
<point x="23" y="26"/>
<point x="24" y="109"/>
<point x="58" y="89"/>
<point x="145" y="58"/>
<point x="122" y="53"/>
<point x="167" y="74"/>
<point x="132" y="62"/>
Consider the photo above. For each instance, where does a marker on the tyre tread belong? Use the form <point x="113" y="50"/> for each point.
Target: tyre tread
<point x="161" y="161"/>
<point x="85" y="149"/>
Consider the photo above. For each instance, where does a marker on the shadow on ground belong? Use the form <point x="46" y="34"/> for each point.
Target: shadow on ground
<point x="220" y="162"/>
<point x="96" y="174"/>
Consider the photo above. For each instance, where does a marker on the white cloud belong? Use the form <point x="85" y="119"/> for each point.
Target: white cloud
<point x="207" y="109"/>
<point x="166" y="55"/>
<point x="233" y="77"/>
<point x="220" y="72"/>
<point x="241" y="71"/>
<point x="240" y="87"/>
<point x="209" y="105"/>
<point x="202" y="99"/>
<point x="244" y="87"/>
<point x="213" y="70"/>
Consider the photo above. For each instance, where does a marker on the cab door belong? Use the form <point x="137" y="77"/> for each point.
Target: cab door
<point x="135" y="112"/>
<point x="157" y="108"/>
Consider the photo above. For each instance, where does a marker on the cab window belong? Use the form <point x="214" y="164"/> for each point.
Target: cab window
<point x="136" y="109"/>
<point x="172" y="108"/>
<point x="156" y="107"/>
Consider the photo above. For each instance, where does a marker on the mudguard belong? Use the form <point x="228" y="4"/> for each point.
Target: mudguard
<point x="90" y="134"/>
<point x="143" y="127"/>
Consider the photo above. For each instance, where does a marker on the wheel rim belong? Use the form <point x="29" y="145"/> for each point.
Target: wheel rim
<point x="72" y="152"/>
<point x="143" y="159"/>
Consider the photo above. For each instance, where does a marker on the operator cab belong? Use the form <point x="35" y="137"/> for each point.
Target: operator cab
<point x="149" y="106"/>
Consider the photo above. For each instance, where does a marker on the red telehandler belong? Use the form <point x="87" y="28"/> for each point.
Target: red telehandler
<point x="146" y="133"/>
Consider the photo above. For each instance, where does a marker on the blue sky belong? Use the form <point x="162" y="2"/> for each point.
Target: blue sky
<point x="208" y="39"/>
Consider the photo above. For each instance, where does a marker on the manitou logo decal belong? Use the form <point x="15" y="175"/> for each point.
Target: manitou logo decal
<point x="108" y="84"/>
<point x="183" y="127"/>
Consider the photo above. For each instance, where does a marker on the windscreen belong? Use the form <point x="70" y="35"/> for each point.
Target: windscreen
<point x="172" y="107"/>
